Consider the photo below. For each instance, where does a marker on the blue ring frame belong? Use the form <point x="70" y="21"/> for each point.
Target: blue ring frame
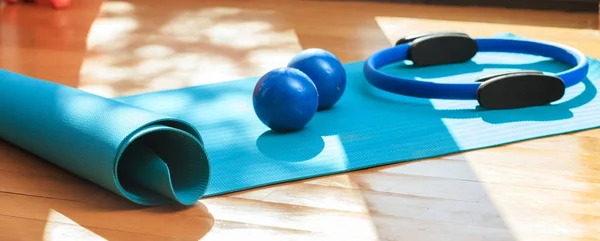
<point x="467" y="91"/>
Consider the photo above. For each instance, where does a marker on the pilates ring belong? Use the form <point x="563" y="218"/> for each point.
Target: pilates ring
<point x="515" y="89"/>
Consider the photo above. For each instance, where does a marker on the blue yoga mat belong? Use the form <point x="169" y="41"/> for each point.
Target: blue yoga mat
<point x="185" y="144"/>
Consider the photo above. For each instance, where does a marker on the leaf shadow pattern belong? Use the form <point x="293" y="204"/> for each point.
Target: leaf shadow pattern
<point x="178" y="48"/>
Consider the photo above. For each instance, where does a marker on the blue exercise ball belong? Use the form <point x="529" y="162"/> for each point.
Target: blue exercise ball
<point x="285" y="99"/>
<point x="326" y="71"/>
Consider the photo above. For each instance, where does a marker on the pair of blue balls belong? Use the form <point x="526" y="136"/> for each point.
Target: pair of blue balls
<point x="286" y="99"/>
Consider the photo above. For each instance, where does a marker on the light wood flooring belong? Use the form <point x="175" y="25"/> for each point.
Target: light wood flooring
<point x="544" y="190"/>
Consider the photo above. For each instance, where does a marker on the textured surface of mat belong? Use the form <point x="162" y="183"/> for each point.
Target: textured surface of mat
<point x="148" y="147"/>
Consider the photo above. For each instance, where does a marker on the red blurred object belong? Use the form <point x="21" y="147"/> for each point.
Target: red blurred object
<point x="58" y="4"/>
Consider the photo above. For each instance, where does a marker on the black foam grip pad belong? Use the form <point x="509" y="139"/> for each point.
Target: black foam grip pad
<point x="520" y="90"/>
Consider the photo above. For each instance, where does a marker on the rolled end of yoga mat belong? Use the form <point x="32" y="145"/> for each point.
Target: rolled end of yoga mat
<point x="146" y="157"/>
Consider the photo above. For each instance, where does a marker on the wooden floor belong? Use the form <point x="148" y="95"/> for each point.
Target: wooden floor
<point x="546" y="189"/>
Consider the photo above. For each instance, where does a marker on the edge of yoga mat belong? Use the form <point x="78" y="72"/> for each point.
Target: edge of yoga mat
<point x="147" y="157"/>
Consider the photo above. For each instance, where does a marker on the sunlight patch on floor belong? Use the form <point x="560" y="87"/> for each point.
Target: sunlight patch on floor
<point x="290" y="218"/>
<point x="108" y="34"/>
<point x="191" y="25"/>
<point x="190" y="47"/>
<point x="60" y="227"/>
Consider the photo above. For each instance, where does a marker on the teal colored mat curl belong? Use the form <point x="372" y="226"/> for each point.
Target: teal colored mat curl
<point x="181" y="145"/>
